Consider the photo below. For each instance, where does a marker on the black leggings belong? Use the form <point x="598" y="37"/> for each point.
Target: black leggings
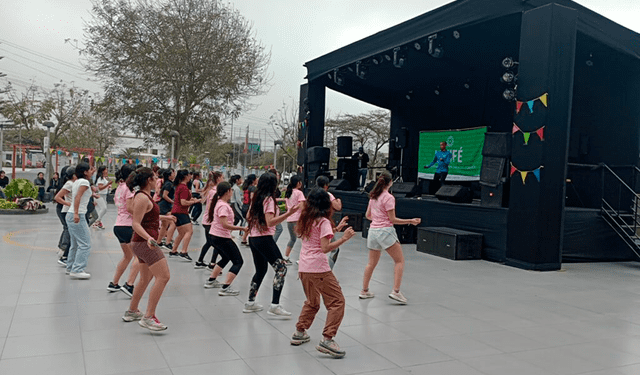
<point x="265" y="251"/>
<point x="207" y="244"/>
<point x="195" y="209"/>
<point x="228" y="252"/>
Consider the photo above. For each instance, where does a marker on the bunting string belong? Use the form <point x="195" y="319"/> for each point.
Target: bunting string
<point x="544" y="99"/>
<point x="539" y="132"/>
<point x="523" y="174"/>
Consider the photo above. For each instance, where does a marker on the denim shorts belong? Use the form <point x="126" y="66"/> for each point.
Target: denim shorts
<point x="381" y="238"/>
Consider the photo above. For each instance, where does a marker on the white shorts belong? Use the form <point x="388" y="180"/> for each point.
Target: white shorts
<point x="381" y="238"/>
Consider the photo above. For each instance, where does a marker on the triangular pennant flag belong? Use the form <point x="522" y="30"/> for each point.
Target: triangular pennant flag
<point x="124" y="161"/>
<point x="543" y="99"/>
<point x="66" y="153"/>
<point x="540" y="133"/>
<point x="524" y="176"/>
<point x="137" y="161"/>
<point x="526" y="137"/>
<point x="537" y="174"/>
<point x="518" y="107"/>
<point x="513" y="170"/>
<point x="51" y="151"/>
<point x="109" y="160"/>
<point x="530" y="104"/>
<point x="515" y="129"/>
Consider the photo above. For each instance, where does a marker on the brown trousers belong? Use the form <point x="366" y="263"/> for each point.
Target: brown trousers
<point x="325" y="285"/>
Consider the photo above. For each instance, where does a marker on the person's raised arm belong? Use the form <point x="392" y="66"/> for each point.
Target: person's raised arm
<point x="435" y="160"/>
<point x="60" y="197"/>
<point x="336" y="204"/>
<point x="328" y="246"/>
<point x="397" y="221"/>
<point x="273" y="220"/>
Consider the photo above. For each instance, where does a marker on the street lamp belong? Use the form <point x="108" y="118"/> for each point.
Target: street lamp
<point x="49" y="125"/>
<point x="173" y="135"/>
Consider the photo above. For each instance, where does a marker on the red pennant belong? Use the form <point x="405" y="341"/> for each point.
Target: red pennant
<point x="518" y="106"/>
<point x="515" y="129"/>
<point x="513" y="170"/>
<point x="540" y="133"/>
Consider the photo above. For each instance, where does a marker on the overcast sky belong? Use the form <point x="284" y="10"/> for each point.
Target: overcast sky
<point x="33" y="33"/>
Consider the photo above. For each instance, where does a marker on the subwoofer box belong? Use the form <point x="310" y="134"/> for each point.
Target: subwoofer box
<point x="355" y="219"/>
<point x="450" y="243"/>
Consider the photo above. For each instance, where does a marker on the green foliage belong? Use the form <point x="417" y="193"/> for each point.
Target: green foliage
<point x="20" y="188"/>
<point x="7" y="205"/>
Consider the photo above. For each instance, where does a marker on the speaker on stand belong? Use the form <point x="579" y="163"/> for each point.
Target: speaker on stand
<point x="400" y="141"/>
<point x="494" y="186"/>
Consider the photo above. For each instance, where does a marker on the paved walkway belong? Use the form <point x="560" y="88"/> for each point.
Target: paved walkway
<point x="463" y="318"/>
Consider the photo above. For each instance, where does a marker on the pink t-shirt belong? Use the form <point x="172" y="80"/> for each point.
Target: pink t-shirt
<point x="269" y="207"/>
<point x="312" y="259"/>
<point x="123" y="194"/>
<point x="296" y="197"/>
<point x="157" y="192"/>
<point x="380" y="208"/>
<point x="210" y="194"/>
<point x="220" y="211"/>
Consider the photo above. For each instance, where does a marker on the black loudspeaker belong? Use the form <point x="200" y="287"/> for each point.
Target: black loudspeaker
<point x="355" y="219"/>
<point x="424" y="186"/>
<point x="404" y="189"/>
<point x="402" y="137"/>
<point x="368" y="187"/>
<point x="497" y="144"/>
<point x="345" y="147"/>
<point x="450" y="243"/>
<point x="348" y="170"/>
<point x="492" y="170"/>
<point x="455" y="193"/>
<point x="300" y="157"/>
<point x="494" y="196"/>
<point x="339" y="184"/>
<point x="406" y="233"/>
<point x="318" y="154"/>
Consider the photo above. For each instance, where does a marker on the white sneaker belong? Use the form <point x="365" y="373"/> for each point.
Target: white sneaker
<point x="212" y="284"/>
<point x="228" y="291"/>
<point x="79" y="275"/>
<point x="152" y="324"/>
<point x="250" y="307"/>
<point x="278" y="310"/>
<point x="398" y="297"/>
<point x="365" y="294"/>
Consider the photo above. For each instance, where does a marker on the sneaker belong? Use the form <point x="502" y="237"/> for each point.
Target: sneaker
<point x="278" y="310"/>
<point x="100" y="225"/>
<point x="66" y="272"/>
<point x="212" y="284"/>
<point x="152" y="324"/>
<point x="250" y="307"/>
<point x="299" y="338"/>
<point x="173" y="254"/>
<point x="62" y="261"/>
<point x="228" y="291"/>
<point x="244" y="243"/>
<point x="113" y="287"/>
<point x="330" y="347"/>
<point x="365" y="294"/>
<point x="212" y="266"/>
<point x="169" y="246"/>
<point x="131" y="316"/>
<point x="185" y="257"/>
<point x="195" y="222"/>
<point x="288" y="262"/>
<point x="127" y="289"/>
<point x="79" y="275"/>
<point x="397" y="296"/>
<point x="199" y="265"/>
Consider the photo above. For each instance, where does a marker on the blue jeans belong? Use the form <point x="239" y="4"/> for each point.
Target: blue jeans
<point x="362" y="176"/>
<point x="80" y="244"/>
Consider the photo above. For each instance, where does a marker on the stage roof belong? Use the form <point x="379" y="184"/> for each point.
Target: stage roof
<point x="466" y="14"/>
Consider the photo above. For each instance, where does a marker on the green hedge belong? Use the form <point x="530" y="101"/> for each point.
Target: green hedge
<point x="20" y="188"/>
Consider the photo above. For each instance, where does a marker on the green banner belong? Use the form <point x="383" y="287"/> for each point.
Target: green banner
<point x="466" y="149"/>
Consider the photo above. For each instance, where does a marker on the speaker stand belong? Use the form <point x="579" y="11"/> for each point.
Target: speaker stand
<point x="399" y="178"/>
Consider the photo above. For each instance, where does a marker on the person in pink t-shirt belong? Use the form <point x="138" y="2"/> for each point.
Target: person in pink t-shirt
<point x="382" y="236"/>
<point x="293" y="196"/>
<point x="207" y="194"/>
<point x="263" y="217"/>
<point x="123" y="232"/>
<point x="220" y="215"/>
<point x="316" y="231"/>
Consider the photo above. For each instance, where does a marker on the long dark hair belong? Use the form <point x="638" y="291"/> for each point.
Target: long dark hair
<point x="292" y="185"/>
<point x="222" y="189"/>
<point x="267" y="185"/>
<point x="139" y="178"/>
<point x="318" y="206"/>
<point x="100" y="170"/>
<point x="166" y="173"/>
<point x="383" y="181"/>
<point x="248" y="181"/>
<point x="66" y="175"/>
<point x="181" y="175"/>
<point x="124" y="172"/>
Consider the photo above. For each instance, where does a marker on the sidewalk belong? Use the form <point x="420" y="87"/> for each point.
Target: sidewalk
<point x="463" y="318"/>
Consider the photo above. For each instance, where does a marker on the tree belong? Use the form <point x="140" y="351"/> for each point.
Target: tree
<point x="27" y="109"/>
<point x="174" y="64"/>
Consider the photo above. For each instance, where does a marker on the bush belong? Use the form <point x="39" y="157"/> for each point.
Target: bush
<point x="7" y="205"/>
<point x="20" y="188"/>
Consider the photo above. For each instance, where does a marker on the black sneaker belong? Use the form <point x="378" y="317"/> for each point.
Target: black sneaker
<point x="62" y="261"/>
<point x="173" y="254"/>
<point x="199" y="265"/>
<point x="127" y="289"/>
<point x="113" y="287"/>
<point x="169" y="246"/>
<point x="211" y="266"/>
<point x="185" y="257"/>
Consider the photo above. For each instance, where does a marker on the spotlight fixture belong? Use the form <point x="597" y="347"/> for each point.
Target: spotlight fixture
<point x="467" y="85"/>
<point x="437" y="90"/>
<point x="509" y="94"/>
<point x="361" y="69"/>
<point x="508" y="77"/>
<point x="376" y="60"/>
<point x="398" y="59"/>
<point x="456" y="34"/>
<point x="589" y="61"/>
<point x="387" y="57"/>
<point x="435" y="50"/>
<point x="337" y="79"/>
<point x="409" y="95"/>
<point x="417" y="46"/>
<point x="508" y="63"/>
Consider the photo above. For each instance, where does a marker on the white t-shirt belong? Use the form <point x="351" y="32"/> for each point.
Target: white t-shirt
<point x="84" y="200"/>
<point x="67" y="198"/>
<point x="102" y="181"/>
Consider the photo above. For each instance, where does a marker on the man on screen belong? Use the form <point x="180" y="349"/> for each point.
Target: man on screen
<point x="442" y="158"/>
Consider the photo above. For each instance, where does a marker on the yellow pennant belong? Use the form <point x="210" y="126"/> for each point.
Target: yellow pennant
<point x="523" y="174"/>
<point x="543" y="99"/>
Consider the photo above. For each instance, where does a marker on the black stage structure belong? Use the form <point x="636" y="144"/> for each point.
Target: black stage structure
<point x="577" y="79"/>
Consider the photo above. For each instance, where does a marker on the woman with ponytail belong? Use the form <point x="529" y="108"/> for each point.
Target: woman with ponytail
<point x="382" y="236"/>
<point x="293" y="197"/>
<point x="63" y="197"/>
<point x="146" y="219"/>
<point x="181" y="203"/>
<point x="220" y="215"/>
<point x="209" y="191"/>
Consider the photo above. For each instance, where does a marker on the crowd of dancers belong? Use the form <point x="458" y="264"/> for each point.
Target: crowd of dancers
<point x="153" y="204"/>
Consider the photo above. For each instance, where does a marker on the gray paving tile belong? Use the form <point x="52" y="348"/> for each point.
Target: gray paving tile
<point x="409" y="352"/>
<point x="298" y="363"/>
<point x="123" y="359"/>
<point x="460" y="346"/>
<point x="197" y="352"/>
<point x="560" y="360"/>
<point x="59" y="364"/>
<point x="48" y="326"/>
<point x="443" y="368"/>
<point x="41" y="345"/>
<point x="237" y="367"/>
<point x="354" y="361"/>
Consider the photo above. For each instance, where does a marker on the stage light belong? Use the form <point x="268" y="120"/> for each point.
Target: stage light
<point x="377" y="60"/>
<point x="508" y="77"/>
<point x="387" y="57"/>
<point x="467" y="85"/>
<point x="589" y="61"/>
<point x="509" y="94"/>
<point x="435" y="50"/>
<point x="337" y="79"/>
<point x="409" y="95"/>
<point x="398" y="60"/>
<point x="361" y="69"/>
<point x="417" y="46"/>
<point x="456" y="34"/>
<point x="508" y="63"/>
<point x="437" y="90"/>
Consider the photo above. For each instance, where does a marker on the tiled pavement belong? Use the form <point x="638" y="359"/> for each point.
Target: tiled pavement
<point x="463" y="318"/>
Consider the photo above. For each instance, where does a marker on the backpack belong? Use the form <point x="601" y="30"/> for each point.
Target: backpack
<point x="246" y="197"/>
